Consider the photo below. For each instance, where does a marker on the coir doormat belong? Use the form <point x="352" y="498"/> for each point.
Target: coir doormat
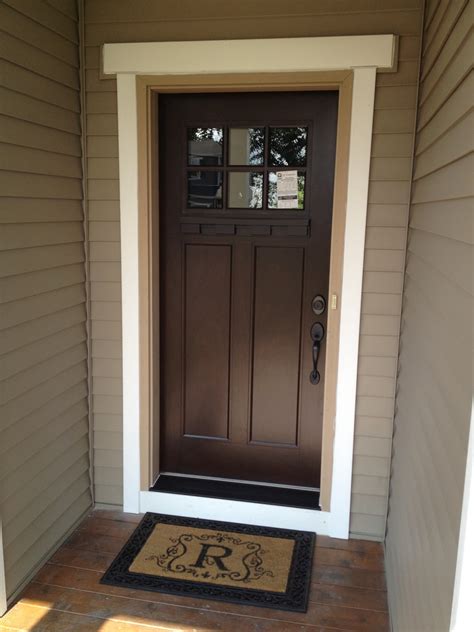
<point x="237" y="563"/>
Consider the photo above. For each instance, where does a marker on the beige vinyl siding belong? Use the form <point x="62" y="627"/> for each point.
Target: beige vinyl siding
<point x="121" y="21"/>
<point x="44" y="446"/>
<point x="435" y="366"/>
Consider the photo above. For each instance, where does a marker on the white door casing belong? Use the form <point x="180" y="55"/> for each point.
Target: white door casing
<point x="361" y="54"/>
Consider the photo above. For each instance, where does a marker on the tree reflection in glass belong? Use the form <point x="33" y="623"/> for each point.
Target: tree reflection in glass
<point x="245" y="189"/>
<point x="246" y="145"/>
<point x="288" y="146"/>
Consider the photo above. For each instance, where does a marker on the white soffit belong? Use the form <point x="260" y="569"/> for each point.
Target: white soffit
<point x="296" y="54"/>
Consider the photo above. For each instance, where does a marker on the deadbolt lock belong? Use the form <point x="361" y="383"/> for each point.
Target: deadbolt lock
<point x="318" y="304"/>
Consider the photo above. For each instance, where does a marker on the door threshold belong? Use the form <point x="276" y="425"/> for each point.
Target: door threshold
<point x="264" y="494"/>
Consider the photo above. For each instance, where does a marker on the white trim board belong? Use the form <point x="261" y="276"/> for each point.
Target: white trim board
<point x="129" y="244"/>
<point x="293" y="54"/>
<point x="362" y="54"/>
<point x="237" y="511"/>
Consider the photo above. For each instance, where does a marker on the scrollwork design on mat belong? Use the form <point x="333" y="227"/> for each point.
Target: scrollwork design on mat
<point x="212" y="567"/>
<point x="295" y="598"/>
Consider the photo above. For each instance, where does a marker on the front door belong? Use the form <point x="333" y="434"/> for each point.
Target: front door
<point x="246" y="186"/>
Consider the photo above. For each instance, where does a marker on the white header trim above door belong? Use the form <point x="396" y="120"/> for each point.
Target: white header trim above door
<point x="296" y="54"/>
<point x="364" y="55"/>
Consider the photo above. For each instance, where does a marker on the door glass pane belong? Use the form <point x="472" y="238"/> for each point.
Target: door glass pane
<point x="246" y="145"/>
<point x="245" y="189"/>
<point x="288" y="146"/>
<point x="205" y="189"/>
<point x="205" y="145"/>
<point x="286" y="189"/>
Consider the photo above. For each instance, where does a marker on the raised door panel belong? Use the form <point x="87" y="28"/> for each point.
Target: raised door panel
<point x="276" y="349"/>
<point x="206" y="340"/>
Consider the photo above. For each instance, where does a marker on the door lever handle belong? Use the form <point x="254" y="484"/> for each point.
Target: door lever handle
<point x="317" y="334"/>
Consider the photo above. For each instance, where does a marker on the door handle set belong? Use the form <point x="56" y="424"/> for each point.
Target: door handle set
<point x="318" y="305"/>
<point x="317" y="334"/>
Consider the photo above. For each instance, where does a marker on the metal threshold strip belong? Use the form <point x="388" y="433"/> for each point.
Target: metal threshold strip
<point x="225" y="489"/>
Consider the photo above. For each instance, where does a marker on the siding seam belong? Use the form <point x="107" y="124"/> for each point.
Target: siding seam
<point x="58" y="10"/>
<point x="442" y="43"/>
<point x="448" y="129"/>
<point x="262" y="16"/>
<point x="450" y="61"/>
<point x="45" y="52"/>
<point x="453" y="90"/>
<point x="36" y="98"/>
<point x="440" y="168"/>
<point x="28" y="18"/>
<point x="62" y="131"/>
<point x="56" y="129"/>
<point x="9" y="4"/>
<point x="16" y="593"/>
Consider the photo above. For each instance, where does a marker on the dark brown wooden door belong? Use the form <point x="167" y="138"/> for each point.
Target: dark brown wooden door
<point x="246" y="186"/>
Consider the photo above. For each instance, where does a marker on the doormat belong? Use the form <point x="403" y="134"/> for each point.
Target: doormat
<point x="238" y="563"/>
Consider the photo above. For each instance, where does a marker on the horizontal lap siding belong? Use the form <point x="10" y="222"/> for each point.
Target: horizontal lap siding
<point x="435" y="367"/>
<point x="108" y="21"/>
<point x="44" y="445"/>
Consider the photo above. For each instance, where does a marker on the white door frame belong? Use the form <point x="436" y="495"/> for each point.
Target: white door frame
<point x="361" y="54"/>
